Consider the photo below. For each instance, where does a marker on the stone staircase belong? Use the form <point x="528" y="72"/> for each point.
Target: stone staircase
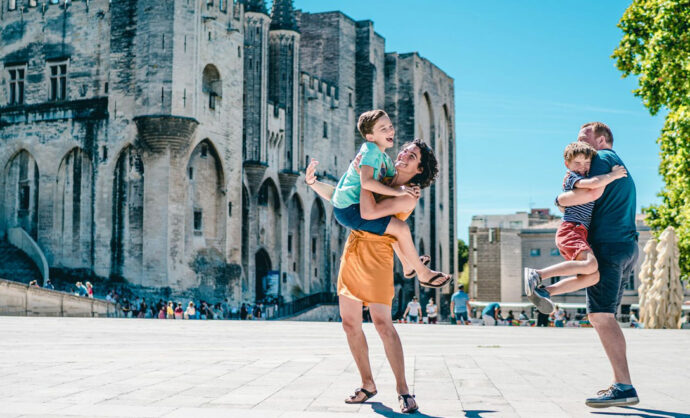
<point x="17" y="266"/>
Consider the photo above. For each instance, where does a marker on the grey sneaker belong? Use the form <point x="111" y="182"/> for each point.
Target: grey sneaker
<point x="531" y="280"/>
<point x="542" y="300"/>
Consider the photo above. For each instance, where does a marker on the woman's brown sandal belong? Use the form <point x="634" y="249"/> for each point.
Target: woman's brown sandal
<point x="355" y="398"/>
<point x="434" y="283"/>
<point x="408" y="404"/>
<point x="425" y="259"/>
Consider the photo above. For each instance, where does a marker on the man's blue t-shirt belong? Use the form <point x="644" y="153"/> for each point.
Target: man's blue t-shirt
<point x="460" y="299"/>
<point x="491" y="309"/>
<point x="613" y="217"/>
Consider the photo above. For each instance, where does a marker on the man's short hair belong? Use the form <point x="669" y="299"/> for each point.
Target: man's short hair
<point x="579" y="148"/>
<point x="600" y="129"/>
<point x="367" y="120"/>
<point x="461" y="286"/>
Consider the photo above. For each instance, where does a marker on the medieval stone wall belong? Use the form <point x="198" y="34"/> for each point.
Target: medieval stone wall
<point x="174" y="155"/>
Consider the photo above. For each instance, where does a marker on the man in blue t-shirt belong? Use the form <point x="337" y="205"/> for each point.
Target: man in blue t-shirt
<point x="460" y="305"/>
<point x="613" y="238"/>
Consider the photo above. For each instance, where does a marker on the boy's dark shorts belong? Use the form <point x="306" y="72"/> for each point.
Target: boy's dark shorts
<point x="350" y="217"/>
<point x="616" y="263"/>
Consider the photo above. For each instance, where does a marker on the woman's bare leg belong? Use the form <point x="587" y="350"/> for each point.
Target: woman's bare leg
<point x="351" y="313"/>
<point x="381" y="316"/>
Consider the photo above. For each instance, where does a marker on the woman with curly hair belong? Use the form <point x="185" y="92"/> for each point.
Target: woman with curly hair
<point x="366" y="269"/>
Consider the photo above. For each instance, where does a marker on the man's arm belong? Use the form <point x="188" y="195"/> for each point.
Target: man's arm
<point x="602" y="180"/>
<point x="469" y="307"/>
<point x="452" y="309"/>
<point x="370" y="209"/>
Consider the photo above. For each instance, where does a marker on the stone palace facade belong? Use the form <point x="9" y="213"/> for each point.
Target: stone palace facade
<point x="165" y="141"/>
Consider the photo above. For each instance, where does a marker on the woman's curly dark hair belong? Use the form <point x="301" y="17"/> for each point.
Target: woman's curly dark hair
<point x="428" y="164"/>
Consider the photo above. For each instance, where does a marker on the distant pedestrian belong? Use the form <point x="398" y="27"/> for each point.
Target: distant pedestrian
<point x="542" y="319"/>
<point x="190" y="312"/>
<point x="81" y="289"/>
<point x="89" y="290"/>
<point x="432" y="311"/>
<point x="243" y="312"/>
<point x="126" y="309"/>
<point x="161" y="312"/>
<point x="490" y="313"/>
<point x="178" y="311"/>
<point x="34" y="283"/>
<point x="49" y="285"/>
<point x="559" y="317"/>
<point x="413" y="311"/>
<point x="523" y="316"/>
<point x="170" y="311"/>
<point x="460" y="306"/>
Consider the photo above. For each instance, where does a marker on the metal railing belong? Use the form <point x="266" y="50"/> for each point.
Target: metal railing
<point x="300" y="305"/>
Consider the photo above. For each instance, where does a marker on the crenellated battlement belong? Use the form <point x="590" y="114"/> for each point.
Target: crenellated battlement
<point x="316" y="89"/>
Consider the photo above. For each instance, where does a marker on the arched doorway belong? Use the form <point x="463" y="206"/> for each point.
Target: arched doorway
<point x="128" y="215"/>
<point x="262" y="265"/>
<point x="21" y="193"/>
<point x="73" y="210"/>
<point x="205" y="224"/>
<point x="319" y="252"/>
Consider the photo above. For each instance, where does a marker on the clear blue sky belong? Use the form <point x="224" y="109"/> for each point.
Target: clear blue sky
<point x="527" y="75"/>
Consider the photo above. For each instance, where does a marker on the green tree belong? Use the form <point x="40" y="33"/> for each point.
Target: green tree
<point x="463" y="254"/>
<point x="656" y="48"/>
<point x="465" y="277"/>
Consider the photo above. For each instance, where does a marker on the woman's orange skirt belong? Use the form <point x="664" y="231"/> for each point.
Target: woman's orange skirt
<point x="366" y="268"/>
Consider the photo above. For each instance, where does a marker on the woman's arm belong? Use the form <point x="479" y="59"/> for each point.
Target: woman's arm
<point x="322" y="189"/>
<point x="370" y="209"/>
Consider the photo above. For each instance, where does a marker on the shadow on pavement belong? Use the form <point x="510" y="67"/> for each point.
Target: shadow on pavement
<point x="387" y="412"/>
<point x="477" y="413"/>
<point x="645" y="413"/>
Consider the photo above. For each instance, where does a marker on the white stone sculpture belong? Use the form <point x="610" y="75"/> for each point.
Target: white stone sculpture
<point x="646" y="279"/>
<point x="665" y="298"/>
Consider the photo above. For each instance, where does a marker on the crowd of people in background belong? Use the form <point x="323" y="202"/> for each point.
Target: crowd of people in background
<point x="461" y="311"/>
<point x="139" y="308"/>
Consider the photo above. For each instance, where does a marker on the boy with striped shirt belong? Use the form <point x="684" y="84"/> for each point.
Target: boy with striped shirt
<point x="571" y="237"/>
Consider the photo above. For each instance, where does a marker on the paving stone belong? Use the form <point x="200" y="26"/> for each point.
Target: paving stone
<point x="271" y="372"/>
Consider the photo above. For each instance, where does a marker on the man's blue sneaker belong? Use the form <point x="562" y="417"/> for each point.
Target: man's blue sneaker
<point x="613" y="396"/>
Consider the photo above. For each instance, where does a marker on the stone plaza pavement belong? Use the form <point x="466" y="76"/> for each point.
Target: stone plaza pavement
<point x="155" y="368"/>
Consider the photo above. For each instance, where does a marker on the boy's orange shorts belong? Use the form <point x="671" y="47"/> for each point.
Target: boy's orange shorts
<point x="571" y="240"/>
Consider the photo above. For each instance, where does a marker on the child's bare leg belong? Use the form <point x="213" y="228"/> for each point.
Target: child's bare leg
<point x="406" y="264"/>
<point x="401" y="231"/>
<point x="573" y="284"/>
<point x="585" y="278"/>
<point x="585" y="264"/>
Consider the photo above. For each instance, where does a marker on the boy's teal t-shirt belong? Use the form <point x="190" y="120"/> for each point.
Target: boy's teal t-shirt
<point x="348" y="188"/>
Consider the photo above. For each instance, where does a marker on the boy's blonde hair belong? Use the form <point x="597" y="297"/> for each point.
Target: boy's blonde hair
<point x="579" y="148"/>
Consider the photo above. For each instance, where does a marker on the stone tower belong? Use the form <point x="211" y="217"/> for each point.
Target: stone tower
<point x="284" y="70"/>
<point x="256" y="22"/>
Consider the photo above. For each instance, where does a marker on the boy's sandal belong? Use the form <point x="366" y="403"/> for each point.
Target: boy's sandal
<point x="408" y="404"/>
<point x="425" y="259"/>
<point x="434" y="282"/>
<point x="355" y="398"/>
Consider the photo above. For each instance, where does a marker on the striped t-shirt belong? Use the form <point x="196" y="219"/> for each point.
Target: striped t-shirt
<point x="581" y="213"/>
